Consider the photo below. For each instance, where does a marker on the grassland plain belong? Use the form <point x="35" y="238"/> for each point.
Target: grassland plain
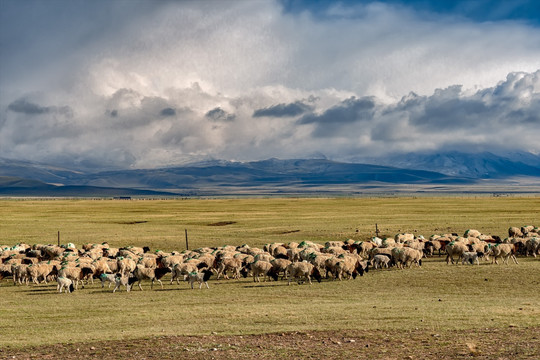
<point x="433" y="300"/>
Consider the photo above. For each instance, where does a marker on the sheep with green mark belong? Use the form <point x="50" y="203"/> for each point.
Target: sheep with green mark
<point x="455" y="249"/>
<point x="125" y="265"/>
<point x="504" y="251"/>
<point x="258" y="268"/>
<point x="181" y="270"/>
<point x="201" y="277"/>
<point x="110" y="278"/>
<point x="124" y="280"/>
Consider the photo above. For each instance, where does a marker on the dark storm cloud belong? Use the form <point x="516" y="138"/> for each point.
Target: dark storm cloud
<point x="167" y="112"/>
<point x="284" y="110"/>
<point x="23" y="106"/>
<point x="218" y="114"/>
<point x="349" y="111"/>
<point x="334" y="120"/>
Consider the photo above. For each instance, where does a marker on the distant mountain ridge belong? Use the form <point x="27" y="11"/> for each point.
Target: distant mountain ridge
<point x="22" y="177"/>
<point x="13" y="186"/>
<point x="484" y="165"/>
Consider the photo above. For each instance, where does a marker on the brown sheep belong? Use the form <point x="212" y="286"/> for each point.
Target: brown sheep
<point x="504" y="251"/>
<point x="302" y="269"/>
<point x="455" y="248"/>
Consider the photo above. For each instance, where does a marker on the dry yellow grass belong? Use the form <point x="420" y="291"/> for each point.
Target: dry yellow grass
<point x="435" y="297"/>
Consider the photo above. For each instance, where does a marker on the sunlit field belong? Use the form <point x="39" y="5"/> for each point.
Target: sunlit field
<point x="436" y="297"/>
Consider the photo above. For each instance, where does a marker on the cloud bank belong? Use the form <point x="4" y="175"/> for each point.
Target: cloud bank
<point x="176" y="81"/>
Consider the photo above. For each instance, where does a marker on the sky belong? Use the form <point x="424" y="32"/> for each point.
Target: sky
<point x="139" y="84"/>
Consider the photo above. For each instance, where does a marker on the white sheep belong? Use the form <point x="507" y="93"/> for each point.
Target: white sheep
<point x="125" y="280"/>
<point x="110" y="278"/>
<point x="64" y="282"/>
<point x="381" y="261"/>
<point x="471" y="257"/>
<point x="200" y="277"/>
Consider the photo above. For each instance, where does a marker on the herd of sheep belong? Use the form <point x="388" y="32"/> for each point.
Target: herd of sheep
<point x="300" y="262"/>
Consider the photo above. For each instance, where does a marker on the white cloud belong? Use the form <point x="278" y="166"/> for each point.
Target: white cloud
<point x="140" y="91"/>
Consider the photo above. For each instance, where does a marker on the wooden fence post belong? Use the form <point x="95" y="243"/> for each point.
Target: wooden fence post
<point x="187" y="243"/>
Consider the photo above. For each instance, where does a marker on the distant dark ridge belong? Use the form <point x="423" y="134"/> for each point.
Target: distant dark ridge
<point x="11" y="186"/>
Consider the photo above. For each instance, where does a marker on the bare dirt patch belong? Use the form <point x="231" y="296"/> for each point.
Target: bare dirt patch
<point x="510" y="343"/>
<point x="288" y="232"/>
<point x="222" y="223"/>
<point x="131" y="222"/>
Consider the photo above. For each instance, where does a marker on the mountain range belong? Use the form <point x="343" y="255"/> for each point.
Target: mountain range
<point x="24" y="178"/>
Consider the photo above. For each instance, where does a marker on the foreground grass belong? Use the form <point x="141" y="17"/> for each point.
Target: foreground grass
<point x="436" y="297"/>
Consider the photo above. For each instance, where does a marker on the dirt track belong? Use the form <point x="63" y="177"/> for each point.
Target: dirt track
<point x="511" y="343"/>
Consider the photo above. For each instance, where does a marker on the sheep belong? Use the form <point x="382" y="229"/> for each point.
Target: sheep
<point x="110" y="278"/>
<point x="318" y="259"/>
<point x="264" y="257"/>
<point x="293" y="254"/>
<point x="384" y="251"/>
<point x="147" y="261"/>
<point x="142" y="273"/>
<point x="125" y="265"/>
<point x="200" y="277"/>
<point x="412" y="256"/>
<point x="227" y="264"/>
<point x="303" y="269"/>
<point x="471" y="257"/>
<point x="431" y="246"/>
<point x="53" y="251"/>
<point x="110" y="252"/>
<point x="330" y="266"/>
<point x="278" y="266"/>
<point x="502" y="250"/>
<point x="5" y="271"/>
<point x="406" y="257"/>
<point x="455" y="248"/>
<point x="64" y="282"/>
<point x="41" y="271"/>
<point x="364" y="248"/>
<point x="520" y="245"/>
<point x="381" y="261"/>
<point x="533" y="246"/>
<point x="20" y="274"/>
<point x="101" y="266"/>
<point x="345" y="268"/>
<point x="181" y="270"/>
<point x="416" y="244"/>
<point x="472" y="233"/>
<point x="75" y="274"/>
<point x="335" y="250"/>
<point x="208" y="260"/>
<point x="169" y="261"/>
<point x="401" y="238"/>
<point x="260" y="267"/>
<point x="125" y="280"/>
<point x="377" y="240"/>
<point x="514" y="232"/>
